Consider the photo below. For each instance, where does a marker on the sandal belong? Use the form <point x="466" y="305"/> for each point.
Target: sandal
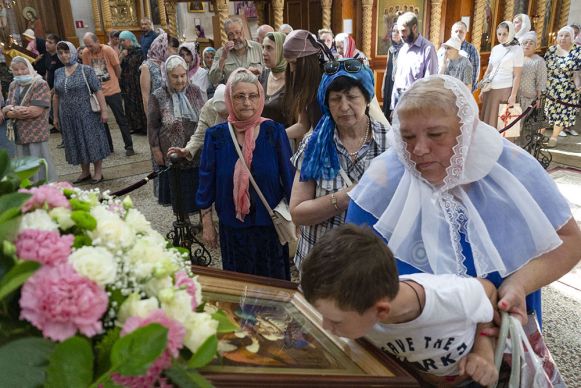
<point x="82" y="179"/>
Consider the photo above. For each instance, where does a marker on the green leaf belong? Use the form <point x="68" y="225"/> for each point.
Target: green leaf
<point x="205" y="353"/>
<point x="26" y="167"/>
<point x="13" y="200"/>
<point x="84" y="220"/>
<point x="134" y="353"/>
<point x="81" y="241"/>
<point x="23" y="362"/>
<point x="17" y="276"/>
<point x="225" y="325"/>
<point x="9" y="229"/>
<point x="71" y="364"/>
<point x="186" y="378"/>
<point x="77" y="204"/>
<point x="4" y="163"/>
<point x="104" y="348"/>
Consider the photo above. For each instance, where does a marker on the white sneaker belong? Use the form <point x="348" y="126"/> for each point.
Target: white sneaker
<point x="572" y="132"/>
<point x="562" y="134"/>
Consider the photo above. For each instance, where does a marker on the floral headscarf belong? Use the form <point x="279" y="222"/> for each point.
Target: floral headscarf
<point x="209" y="50"/>
<point x="158" y="49"/>
<point x="241" y="174"/>
<point x="195" y="65"/>
<point x="73" y="50"/>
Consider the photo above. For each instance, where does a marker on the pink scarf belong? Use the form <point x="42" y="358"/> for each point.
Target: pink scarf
<point x="241" y="174"/>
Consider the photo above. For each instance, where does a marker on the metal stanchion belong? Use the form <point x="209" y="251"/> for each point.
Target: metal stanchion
<point x="183" y="232"/>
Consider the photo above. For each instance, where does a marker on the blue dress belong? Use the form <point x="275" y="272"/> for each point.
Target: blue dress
<point x="251" y="246"/>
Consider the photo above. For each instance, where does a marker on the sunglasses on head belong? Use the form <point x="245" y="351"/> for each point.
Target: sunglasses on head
<point x="352" y="65"/>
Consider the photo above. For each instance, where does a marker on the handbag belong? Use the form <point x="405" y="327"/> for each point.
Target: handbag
<point x="485" y="83"/>
<point x="507" y="115"/>
<point x="280" y="215"/>
<point x="95" y="106"/>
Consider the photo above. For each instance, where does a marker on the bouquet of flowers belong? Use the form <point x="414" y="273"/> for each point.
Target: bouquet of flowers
<point x="92" y="295"/>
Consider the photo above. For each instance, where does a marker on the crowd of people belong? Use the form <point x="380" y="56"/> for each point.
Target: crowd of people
<point x="293" y="119"/>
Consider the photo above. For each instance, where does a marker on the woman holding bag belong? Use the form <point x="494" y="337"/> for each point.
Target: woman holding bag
<point x="84" y="135"/>
<point x="504" y="72"/>
<point x="248" y="239"/>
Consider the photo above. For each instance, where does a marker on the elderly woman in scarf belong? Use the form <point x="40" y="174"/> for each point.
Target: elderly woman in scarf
<point x="451" y="196"/>
<point x="27" y="107"/>
<point x="172" y="119"/>
<point x="274" y="78"/>
<point x="346" y="47"/>
<point x="208" y="57"/>
<point x="84" y="135"/>
<point x="248" y="238"/>
<point x="196" y="74"/>
<point x="334" y="157"/>
<point x="129" y="83"/>
<point x="505" y="70"/>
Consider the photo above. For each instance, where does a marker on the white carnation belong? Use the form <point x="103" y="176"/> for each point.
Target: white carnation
<point x="138" y="222"/>
<point x="62" y="216"/>
<point x="39" y="220"/>
<point x="177" y="304"/>
<point x="111" y="230"/>
<point x="154" y="286"/>
<point x="149" y="257"/>
<point x="199" y="327"/>
<point x="95" y="263"/>
<point x="134" y="306"/>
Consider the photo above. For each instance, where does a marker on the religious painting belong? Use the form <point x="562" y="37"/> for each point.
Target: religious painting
<point x="488" y="27"/>
<point x="245" y="8"/>
<point x="547" y="35"/>
<point x="196" y="6"/>
<point x="387" y="14"/>
<point x="123" y="13"/>
<point x="280" y="338"/>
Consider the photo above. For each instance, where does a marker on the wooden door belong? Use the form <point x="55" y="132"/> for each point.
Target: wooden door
<point x="306" y="15"/>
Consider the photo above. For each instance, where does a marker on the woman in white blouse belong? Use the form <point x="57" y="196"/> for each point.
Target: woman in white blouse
<point x="504" y="68"/>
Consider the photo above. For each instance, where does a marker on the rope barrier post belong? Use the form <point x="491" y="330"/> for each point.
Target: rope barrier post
<point x="183" y="232"/>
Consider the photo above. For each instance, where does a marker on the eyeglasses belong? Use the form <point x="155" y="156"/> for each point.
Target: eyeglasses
<point x="349" y="65"/>
<point x="241" y="98"/>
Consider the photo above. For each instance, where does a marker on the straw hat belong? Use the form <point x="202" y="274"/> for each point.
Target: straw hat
<point x="29" y="34"/>
<point x="454" y="43"/>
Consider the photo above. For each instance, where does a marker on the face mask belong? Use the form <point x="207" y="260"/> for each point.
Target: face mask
<point x="23" y="79"/>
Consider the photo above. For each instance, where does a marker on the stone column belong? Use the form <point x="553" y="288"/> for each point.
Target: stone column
<point x="509" y="10"/>
<point x="278" y="10"/>
<point x="541" y="5"/>
<point x="97" y="15"/>
<point x="170" y="9"/>
<point x="565" y="6"/>
<point x="367" y="6"/>
<point x="435" y="21"/>
<point x="223" y="12"/>
<point x="162" y="14"/>
<point x="479" y="23"/>
<point x="326" y="6"/>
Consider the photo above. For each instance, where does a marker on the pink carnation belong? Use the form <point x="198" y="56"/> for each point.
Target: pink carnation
<point x="46" y="195"/>
<point x="183" y="280"/>
<point x="48" y="248"/>
<point x="62" y="185"/>
<point x="59" y="301"/>
<point x="175" y="341"/>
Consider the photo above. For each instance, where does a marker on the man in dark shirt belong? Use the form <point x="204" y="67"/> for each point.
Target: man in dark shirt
<point x="52" y="61"/>
<point x="147" y="36"/>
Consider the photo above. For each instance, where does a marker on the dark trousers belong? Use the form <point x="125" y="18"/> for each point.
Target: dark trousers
<point x="115" y="102"/>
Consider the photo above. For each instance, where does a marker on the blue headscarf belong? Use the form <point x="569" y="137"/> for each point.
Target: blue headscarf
<point x="72" y="50"/>
<point x="321" y="159"/>
<point x="131" y="36"/>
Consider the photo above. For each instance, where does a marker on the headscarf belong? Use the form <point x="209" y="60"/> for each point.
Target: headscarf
<point x="569" y="30"/>
<point x="207" y="49"/>
<point x="511" y="41"/>
<point x="349" y="49"/>
<point x="191" y="47"/>
<point x="531" y="35"/>
<point x="321" y="159"/>
<point x="73" y="50"/>
<point x="182" y="109"/>
<point x="34" y="75"/>
<point x="158" y="49"/>
<point x="279" y="38"/>
<point x="525" y="25"/>
<point x="241" y="174"/>
<point x="422" y="222"/>
<point x="131" y="36"/>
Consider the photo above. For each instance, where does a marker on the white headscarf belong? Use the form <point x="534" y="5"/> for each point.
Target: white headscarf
<point x="181" y="106"/>
<point x="525" y="25"/>
<point x="33" y="74"/>
<point x="511" y="32"/>
<point x="492" y="193"/>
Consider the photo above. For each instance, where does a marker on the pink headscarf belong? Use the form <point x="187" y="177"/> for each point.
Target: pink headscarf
<point x="241" y="174"/>
<point x="349" y="47"/>
<point x="195" y="65"/>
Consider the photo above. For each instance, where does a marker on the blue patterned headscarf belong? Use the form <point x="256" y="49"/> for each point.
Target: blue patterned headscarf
<point x="321" y="159"/>
<point x="131" y="36"/>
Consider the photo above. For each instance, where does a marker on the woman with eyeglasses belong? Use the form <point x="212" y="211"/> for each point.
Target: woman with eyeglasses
<point x="248" y="239"/>
<point x="173" y="114"/>
<point x="332" y="159"/>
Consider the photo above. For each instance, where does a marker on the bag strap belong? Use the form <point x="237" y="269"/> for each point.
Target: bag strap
<point x="345" y="177"/>
<point x="85" y="78"/>
<point x="498" y="67"/>
<point x="254" y="184"/>
<point x="27" y="94"/>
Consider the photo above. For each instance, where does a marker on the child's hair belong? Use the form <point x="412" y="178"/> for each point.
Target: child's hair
<point x="351" y="266"/>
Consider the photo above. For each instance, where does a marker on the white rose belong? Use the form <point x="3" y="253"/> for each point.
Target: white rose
<point x="134" y="306"/>
<point x="198" y="291"/>
<point x="199" y="327"/>
<point x="95" y="263"/>
<point x="155" y="285"/>
<point x="111" y="230"/>
<point x="62" y="216"/>
<point x="177" y="304"/>
<point x="149" y="257"/>
<point x="39" y="220"/>
<point x="138" y="222"/>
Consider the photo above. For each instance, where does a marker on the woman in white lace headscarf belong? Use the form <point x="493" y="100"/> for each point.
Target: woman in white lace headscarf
<point x="522" y="24"/>
<point x="451" y="196"/>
